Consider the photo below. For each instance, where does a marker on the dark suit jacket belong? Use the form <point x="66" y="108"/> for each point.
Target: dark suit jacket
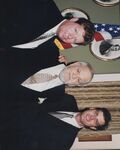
<point x="17" y="65"/>
<point x="24" y="20"/>
<point x="30" y="127"/>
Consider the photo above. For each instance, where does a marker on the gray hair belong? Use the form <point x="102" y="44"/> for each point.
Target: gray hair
<point x="88" y="65"/>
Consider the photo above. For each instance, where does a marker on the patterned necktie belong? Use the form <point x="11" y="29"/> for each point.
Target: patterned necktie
<point x="39" y="78"/>
<point x="61" y="115"/>
<point x="45" y="35"/>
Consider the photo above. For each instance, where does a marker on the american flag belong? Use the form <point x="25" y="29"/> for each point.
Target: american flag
<point x="113" y="29"/>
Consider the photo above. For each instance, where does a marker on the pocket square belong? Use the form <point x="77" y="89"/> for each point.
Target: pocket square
<point x="41" y="100"/>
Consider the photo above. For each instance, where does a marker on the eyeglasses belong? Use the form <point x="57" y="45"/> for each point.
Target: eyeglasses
<point x="96" y="121"/>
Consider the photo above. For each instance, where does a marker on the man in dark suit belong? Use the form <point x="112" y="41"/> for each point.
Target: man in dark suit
<point x="23" y="22"/>
<point x="30" y="126"/>
<point x="18" y="65"/>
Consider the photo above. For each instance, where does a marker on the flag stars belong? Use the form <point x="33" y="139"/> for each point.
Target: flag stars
<point x="113" y="29"/>
<point x="103" y="29"/>
<point x="118" y="28"/>
<point x="103" y="24"/>
<point x="96" y="26"/>
<point x="110" y="29"/>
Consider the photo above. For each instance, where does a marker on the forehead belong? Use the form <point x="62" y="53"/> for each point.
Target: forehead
<point x="85" y="72"/>
<point x="79" y="65"/>
<point x="101" y="119"/>
<point x="74" y="25"/>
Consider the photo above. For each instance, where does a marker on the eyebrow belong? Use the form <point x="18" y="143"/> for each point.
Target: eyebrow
<point x="97" y="122"/>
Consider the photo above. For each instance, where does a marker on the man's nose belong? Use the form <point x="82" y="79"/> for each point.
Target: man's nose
<point x="93" y="117"/>
<point x="76" y="75"/>
<point x="70" y="36"/>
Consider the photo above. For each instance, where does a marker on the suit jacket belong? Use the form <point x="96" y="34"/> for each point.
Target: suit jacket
<point x="27" y="21"/>
<point x="30" y="127"/>
<point x="17" y="65"/>
<point x="23" y="21"/>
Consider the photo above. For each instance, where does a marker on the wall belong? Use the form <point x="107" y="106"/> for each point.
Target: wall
<point x="114" y="144"/>
<point x="97" y="14"/>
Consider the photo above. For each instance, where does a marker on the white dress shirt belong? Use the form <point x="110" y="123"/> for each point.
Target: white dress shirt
<point x="49" y="84"/>
<point x="73" y="122"/>
<point x="70" y="120"/>
<point x="75" y="145"/>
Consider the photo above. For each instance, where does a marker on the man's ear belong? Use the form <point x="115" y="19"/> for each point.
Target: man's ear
<point x="74" y="19"/>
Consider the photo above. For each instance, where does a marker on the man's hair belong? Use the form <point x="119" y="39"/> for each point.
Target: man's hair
<point x="88" y="65"/>
<point x="107" y="117"/>
<point x="89" y="30"/>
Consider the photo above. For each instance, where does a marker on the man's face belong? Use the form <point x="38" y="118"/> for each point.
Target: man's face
<point x="75" y="74"/>
<point x="92" y="118"/>
<point x="71" y="32"/>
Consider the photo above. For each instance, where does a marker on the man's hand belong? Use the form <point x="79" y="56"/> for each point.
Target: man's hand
<point x="62" y="59"/>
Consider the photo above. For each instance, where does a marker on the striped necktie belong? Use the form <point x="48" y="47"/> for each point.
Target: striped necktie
<point x="46" y="35"/>
<point x="61" y="115"/>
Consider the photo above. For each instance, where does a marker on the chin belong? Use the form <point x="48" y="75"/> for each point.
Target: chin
<point x="62" y="39"/>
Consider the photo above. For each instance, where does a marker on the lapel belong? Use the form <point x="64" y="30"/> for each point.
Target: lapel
<point x="26" y="62"/>
<point x="63" y="102"/>
<point x="63" y="134"/>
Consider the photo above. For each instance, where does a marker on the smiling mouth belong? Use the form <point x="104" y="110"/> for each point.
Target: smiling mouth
<point x="65" y="38"/>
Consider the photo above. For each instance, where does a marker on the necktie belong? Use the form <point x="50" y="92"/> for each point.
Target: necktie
<point x="39" y="78"/>
<point x="45" y="35"/>
<point x="60" y="115"/>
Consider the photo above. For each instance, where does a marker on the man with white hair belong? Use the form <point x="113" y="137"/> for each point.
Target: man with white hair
<point x="40" y="71"/>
